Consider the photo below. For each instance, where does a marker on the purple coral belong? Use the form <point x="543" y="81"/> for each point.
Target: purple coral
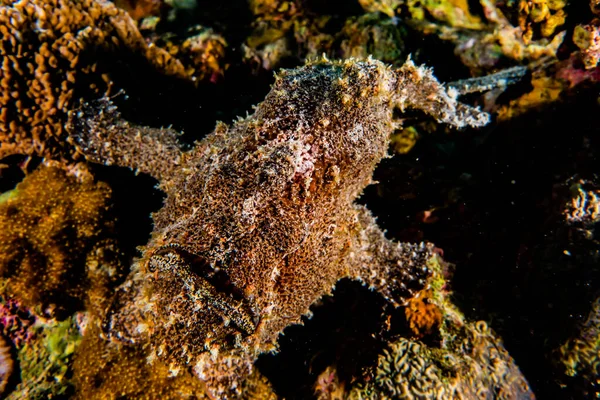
<point x="16" y="322"/>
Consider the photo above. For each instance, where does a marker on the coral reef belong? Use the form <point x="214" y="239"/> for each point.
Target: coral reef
<point x="386" y="7"/>
<point x="422" y="314"/>
<point x="259" y="222"/>
<point x="544" y="16"/>
<point x="284" y="29"/>
<point x="371" y="35"/>
<point x="108" y="370"/>
<point x="17" y="322"/>
<point x="57" y="249"/>
<point x="201" y="51"/>
<point x="584" y="207"/>
<point x="469" y="361"/>
<point x="577" y="358"/>
<point x="139" y="9"/>
<point x="265" y="215"/>
<point x="484" y="44"/>
<point x="587" y="38"/>
<point x="54" y="52"/>
<point x="105" y="370"/>
<point x="45" y="363"/>
<point x="455" y="13"/>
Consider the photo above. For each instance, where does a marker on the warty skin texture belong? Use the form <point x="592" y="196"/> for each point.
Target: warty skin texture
<point x="259" y="221"/>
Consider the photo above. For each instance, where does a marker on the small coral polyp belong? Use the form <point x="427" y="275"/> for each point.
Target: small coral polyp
<point x="260" y="221"/>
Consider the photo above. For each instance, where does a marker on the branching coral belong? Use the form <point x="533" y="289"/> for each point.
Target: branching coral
<point x="53" y="52"/>
<point x="259" y="222"/>
<point x="55" y="239"/>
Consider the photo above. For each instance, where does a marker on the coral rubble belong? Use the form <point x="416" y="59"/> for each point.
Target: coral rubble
<point x="259" y="222"/>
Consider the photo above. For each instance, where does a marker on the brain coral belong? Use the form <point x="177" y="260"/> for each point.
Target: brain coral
<point x="55" y="243"/>
<point x="53" y="52"/>
<point x="468" y="361"/>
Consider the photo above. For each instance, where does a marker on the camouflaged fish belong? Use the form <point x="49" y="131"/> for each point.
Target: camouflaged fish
<point x="260" y="221"/>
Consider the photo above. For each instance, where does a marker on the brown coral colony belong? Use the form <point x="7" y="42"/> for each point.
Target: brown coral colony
<point x="49" y="59"/>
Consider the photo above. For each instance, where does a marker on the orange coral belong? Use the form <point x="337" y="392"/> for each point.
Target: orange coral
<point x="548" y="14"/>
<point x="139" y="9"/>
<point x="55" y="241"/>
<point x="422" y="314"/>
<point x="48" y="57"/>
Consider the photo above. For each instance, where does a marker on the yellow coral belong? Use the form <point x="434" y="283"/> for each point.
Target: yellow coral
<point x="453" y="12"/>
<point x="587" y="38"/>
<point x="387" y="7"/>
<point x="48" y="60"/>
<point x="548" y="14"/>
<point x="104" y="370"/>
<point x="545" y="90"/>
<point x="55" y="241"/>
<point x="404" y="140"/>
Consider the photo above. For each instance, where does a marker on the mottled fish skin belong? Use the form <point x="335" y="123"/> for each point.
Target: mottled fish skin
<point x="259" y="221"/>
